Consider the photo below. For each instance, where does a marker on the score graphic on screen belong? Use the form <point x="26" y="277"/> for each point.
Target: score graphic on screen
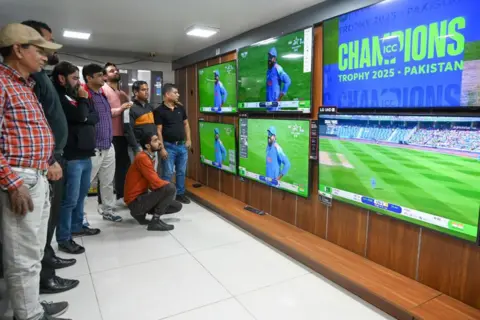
<point x="276" y="153"/>
<point x="404" y="54"/>
<point x="275" y="74"/>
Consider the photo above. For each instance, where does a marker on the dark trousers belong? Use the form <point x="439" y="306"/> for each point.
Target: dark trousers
<point x="56" y="194"/>
<point x="157" y="202"/>
<point x="122" y="163"/>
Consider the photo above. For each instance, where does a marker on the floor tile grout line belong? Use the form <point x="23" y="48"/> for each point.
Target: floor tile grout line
<point x="218" y="281"/>
<point x="93" y="285"/>
<point x="197" y="308"/>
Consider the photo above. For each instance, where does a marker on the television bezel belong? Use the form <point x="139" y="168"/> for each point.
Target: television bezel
<point x="309" y="175"/>
<point x="476" y="242"/>
<point x="312" y="59"/>
<point x="236" y="146"/>
<point x="236" y="89"/>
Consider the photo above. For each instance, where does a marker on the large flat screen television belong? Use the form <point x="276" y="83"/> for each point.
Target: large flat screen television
<point x="275" y="74"/>
<point x="421" y="169"/>
<point x="217" y="88"/>
<point x="403" y="54"/>
<point x="218" y="146"/>
<point x="276" y="153"/>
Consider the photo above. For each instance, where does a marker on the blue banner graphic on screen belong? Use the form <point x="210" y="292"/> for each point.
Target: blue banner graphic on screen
<point x="404" y="54"/>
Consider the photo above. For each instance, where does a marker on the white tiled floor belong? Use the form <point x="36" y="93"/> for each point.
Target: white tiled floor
<point x="205" y="269"/>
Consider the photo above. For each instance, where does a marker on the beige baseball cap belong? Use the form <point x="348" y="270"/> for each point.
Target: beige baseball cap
<point x="17" y="33"/>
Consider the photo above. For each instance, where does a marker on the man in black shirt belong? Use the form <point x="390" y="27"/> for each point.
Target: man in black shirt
<point x="48" y="97"/>
<point x="174" y="133"/>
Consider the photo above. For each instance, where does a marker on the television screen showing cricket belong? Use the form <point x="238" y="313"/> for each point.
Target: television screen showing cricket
<point x="275" y="75"/>
<point x="276" y="153"/>
<point x="217" y="88"/>
<point x="218" y="145"/>
<point x="421" y="169"/>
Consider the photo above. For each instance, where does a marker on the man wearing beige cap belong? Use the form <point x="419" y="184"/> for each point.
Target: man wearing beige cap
<point x="26" y="151"/>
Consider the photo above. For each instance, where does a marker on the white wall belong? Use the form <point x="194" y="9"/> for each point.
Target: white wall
<point x="166" y="67"/>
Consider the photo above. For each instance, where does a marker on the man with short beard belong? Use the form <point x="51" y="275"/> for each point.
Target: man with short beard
<point x="47" y="95"/>
<point x="119" y="102"/>
<point x="82" y="118"/>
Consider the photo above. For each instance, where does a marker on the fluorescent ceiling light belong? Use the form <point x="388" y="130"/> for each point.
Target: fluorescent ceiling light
<point x="292" y="56"/>
<point x="76" y="35"/>
<point x="265" y="42"/>
<point x="202" y="32"/>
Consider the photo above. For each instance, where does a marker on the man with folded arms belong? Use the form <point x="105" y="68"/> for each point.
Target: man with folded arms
<point x="142" y="177"/>
<point x="26" y="152"/>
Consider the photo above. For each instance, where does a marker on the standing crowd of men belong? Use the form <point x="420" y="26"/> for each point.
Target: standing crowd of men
<point x="58" y="136"/>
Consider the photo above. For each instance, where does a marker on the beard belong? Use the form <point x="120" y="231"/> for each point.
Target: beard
<point x="53" y="59"/>
<point x="114" y="78"/>
<point x="72" y="91"/>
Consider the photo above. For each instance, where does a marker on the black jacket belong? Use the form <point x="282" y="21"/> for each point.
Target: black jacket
<point x="82" y="118"/>
<point x="138" y="121"/>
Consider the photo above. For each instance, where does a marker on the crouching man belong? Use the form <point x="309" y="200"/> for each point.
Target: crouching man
<point x="145" y="193"/>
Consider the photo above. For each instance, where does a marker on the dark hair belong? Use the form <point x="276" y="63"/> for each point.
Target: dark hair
<point x="90" y="69"/>
<point x="65" y="69"/>
<point x="37" y="25"/>
<point x="109" y="64"/>
<point x="136" y="86"/>
<point x="146" y="139"/>
<point x="167" y="87"/>
<point x="7" y="51"/>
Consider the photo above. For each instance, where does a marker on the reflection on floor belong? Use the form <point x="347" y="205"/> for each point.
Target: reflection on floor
<point x="205" y="269"/>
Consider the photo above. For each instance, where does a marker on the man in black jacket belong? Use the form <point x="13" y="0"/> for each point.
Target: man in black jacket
<point x="82" y="118"/>
<point x="47" y="95"/>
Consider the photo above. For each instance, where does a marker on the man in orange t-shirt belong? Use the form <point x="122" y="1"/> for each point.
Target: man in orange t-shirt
<point x="142" y="177"/>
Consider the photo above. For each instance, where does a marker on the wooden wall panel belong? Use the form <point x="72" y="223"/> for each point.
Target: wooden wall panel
<point x="347" y="227"/>
<point x="193" y="93"/>
<point x="188" y="96"/>
<point x="393" y="244"/>
<point x="450" y="266"/>
<point x="260" y="196"/>
<point x="284" y="206"/>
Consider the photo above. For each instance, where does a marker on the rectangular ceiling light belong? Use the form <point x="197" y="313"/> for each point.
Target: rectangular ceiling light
<point x="76" y="35"/>
<point x="202" y="32"/>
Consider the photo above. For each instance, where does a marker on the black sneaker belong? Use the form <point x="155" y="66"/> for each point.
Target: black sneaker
<point x="71" y="247"/>
<point x="54" y="309"/>
<point x="86" y="231"/>
<point x="158" y="225"/>
<point x="183" y="199"/>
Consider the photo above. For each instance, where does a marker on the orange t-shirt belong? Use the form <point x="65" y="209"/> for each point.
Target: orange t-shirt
<point x="141" y="176"/>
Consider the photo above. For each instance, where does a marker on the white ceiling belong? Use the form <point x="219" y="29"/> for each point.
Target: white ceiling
<point x="149" y="25"/>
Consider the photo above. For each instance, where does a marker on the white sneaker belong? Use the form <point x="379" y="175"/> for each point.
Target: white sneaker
<point x="120" y="203"/>
<point x="85" y="221"/>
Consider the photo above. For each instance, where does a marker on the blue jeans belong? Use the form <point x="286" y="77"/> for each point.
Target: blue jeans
<point x="176" y="161"/>
<point x="77" y="183"/>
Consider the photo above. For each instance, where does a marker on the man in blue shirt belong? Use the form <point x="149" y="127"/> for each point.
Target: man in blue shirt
<point x="275" y="77"/>
<point x="220" y="92"/>
<point x="220" y="151"/>
<point x="275" y="157"/>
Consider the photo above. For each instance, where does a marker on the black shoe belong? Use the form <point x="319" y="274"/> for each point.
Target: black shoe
<point x="70" y="247"/>
<point x="56" y="285"/>
<point x="54" y="309"/>
<point x="86" y="232"/>
<point x="158" y="225"/>
<point x="59" y="263"/>
<point x="183" y="199"/>
<point x="141" y="219"/>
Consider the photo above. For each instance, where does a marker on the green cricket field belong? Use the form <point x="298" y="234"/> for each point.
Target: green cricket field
<point x="207" y="141"/>
<point x="206" y="85"/>
<point x="441" y="184"/>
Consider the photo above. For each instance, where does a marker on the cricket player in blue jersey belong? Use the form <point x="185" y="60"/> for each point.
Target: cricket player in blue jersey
<point x="220" y="151"/>
<point x="220" y="92"/>
<point x="275" y="77"/>
<point x="277" y="161"/>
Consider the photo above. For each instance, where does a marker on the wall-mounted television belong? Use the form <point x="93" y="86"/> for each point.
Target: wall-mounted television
<point x="218" y="146"/>
<point x="421" y="169"/>
<point x="276" y="153"/>
<point x="403" y="54"/>
<point x="217" y="88"/>
<point x="274" y="75"/>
